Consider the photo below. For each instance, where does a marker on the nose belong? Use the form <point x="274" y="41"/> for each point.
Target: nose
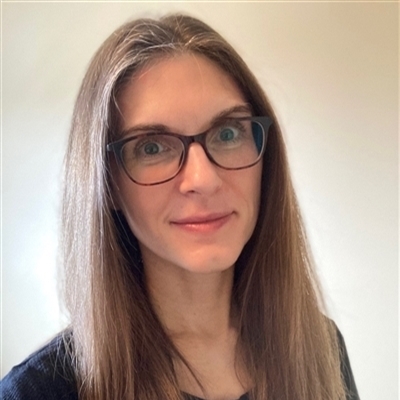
<point x="199" y="174"/>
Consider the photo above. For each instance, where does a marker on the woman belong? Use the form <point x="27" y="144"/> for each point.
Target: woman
<point x="187" y="267"/>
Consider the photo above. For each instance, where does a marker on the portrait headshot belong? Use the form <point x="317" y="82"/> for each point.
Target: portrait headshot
<point x="200" y="200"/>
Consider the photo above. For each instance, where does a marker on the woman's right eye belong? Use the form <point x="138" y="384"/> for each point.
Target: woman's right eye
<point x="150" y="148"/>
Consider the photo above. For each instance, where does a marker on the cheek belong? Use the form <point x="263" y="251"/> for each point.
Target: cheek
<point x="142" y="206"/>
<point x="135" y="206"/>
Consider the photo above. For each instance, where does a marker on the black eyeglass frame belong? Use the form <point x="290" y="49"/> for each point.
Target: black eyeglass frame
<point x="116" y="147"/>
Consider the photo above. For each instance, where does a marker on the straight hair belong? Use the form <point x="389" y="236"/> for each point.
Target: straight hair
<point x="120" y="349"/>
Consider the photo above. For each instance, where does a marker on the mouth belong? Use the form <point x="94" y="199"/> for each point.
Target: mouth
<point x="203" y="223"/>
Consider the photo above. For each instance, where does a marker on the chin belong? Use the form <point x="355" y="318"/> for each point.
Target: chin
<point x="209" y="265"/>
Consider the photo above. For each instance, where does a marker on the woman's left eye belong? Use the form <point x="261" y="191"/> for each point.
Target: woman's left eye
<point x="228" y="134"/>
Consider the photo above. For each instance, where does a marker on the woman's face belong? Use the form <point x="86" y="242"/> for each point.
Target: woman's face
<point x="200" y="220"/>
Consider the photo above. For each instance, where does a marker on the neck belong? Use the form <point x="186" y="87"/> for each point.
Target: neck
<point x="195" y="311"/>
<point x="190" y="304"/>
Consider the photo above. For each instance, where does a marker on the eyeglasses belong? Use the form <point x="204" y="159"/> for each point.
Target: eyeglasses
<point x="157" y="157"/>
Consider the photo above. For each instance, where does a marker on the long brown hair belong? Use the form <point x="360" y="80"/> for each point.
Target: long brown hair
<point x="120" y="348"/>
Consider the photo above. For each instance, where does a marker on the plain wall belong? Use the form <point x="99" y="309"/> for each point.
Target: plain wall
<point x="331" y="71"/>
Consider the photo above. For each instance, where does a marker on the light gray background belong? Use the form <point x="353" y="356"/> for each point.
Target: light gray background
<point x="331" y="70"/>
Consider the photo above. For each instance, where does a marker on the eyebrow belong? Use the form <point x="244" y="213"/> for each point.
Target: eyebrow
<point x="242" y="108"/>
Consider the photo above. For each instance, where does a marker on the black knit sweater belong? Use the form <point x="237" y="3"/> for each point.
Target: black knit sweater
<point x="48" y="375"/>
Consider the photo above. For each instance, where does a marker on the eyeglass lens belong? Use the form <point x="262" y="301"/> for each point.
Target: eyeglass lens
<point x="156" y="158"/>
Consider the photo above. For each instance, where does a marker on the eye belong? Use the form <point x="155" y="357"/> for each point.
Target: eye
<point x="151" y="148"/>
<point x="227" y="134"/>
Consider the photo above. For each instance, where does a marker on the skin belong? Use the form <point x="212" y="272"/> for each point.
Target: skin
<point x="191" y="229"/>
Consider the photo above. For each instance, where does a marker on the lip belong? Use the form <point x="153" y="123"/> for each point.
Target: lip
<point x="203" y="223"/>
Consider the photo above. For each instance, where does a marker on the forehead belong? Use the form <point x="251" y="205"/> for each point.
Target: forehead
<point x="183" y="92"/>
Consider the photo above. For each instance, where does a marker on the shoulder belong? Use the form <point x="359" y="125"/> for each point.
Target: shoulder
<point x="347" y="373"/>
<point x="44" y="375"/>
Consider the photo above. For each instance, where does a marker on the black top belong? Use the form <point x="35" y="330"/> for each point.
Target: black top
<point x="47" y="375"/>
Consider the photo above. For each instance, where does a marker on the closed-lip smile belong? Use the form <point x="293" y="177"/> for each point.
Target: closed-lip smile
<point x="204" y="222"/>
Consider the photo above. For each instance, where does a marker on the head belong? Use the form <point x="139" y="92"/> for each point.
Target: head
<point x="98" y="119"/>
<point x="107" y="295"/>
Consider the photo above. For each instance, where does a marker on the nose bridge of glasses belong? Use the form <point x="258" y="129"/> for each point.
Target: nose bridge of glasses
<point x="199" y="138"/>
